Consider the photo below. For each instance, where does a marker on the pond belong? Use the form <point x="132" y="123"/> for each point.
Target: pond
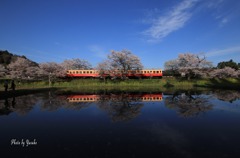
<point x="121" y="124"/>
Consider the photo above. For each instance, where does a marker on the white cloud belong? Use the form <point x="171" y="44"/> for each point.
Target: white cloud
<point x="222" y="10"/>
<point x="98" y="51"/>
<point x="224" y="21"/>
<point x="222" y="52"/>
<point x="171" y="21"/>
<point x="214" y="3"/>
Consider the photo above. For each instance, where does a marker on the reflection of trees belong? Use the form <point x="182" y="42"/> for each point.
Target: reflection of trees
<point x="188" y="105"/>
<point x="120" y="107"/>
<point x="52" y="102"/>
<point x="5" y="108"/>
<point x="21" y="104"/>
<point x="25" y="104"/>
<point x="48" y="101"/>
<point x="227" y="95"/>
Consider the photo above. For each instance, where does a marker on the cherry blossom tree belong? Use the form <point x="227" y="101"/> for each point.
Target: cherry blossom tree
<point x="225" y="72"/>
<point x="23" y="68"/>
<point x="190" y="65"/>
<point x="3" y="71"/>
<point x="51" y="70"/>
<point x="76" y="64"/>
<point x="104" y="69"/>
<point x="124" y="60"/>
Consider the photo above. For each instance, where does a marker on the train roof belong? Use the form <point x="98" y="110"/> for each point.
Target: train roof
<point x="98" y="70"/>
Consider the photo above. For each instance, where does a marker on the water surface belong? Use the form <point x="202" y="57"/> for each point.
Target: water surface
<point x="121" y="124"/>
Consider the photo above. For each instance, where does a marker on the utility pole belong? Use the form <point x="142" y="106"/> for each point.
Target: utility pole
<point x="49" y="79"/>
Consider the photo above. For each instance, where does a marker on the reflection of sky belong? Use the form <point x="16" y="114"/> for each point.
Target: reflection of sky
<point x="226" y="106"/>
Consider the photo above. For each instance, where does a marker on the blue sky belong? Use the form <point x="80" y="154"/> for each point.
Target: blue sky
<point x="154" y="30"/>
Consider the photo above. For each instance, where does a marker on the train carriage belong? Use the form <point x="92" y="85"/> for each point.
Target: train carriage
<point x="147" y="73"/>
<point x="83" y="73"/>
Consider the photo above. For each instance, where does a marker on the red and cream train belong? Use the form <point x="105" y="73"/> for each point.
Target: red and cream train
<point x="130" y="74"/>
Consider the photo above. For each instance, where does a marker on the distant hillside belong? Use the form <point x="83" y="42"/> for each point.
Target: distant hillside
<point x="6" y="58"/>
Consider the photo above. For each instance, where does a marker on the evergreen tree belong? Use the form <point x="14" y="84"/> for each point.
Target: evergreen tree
<point x="229" y="63"/>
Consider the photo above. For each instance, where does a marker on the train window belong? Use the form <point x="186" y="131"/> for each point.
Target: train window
<point x="157" y="71"/>
<point x="147" y="71"/>
<point x="144" y="71"/>
<point x="150" y="71"/>
<point x="84" y="72"/>
<point x="90" y="72"/>
<point x="73" y="72"/>
<point x="87" y="72"/>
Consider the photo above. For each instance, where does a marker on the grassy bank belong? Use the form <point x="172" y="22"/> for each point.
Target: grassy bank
<point x="165" y="83"/>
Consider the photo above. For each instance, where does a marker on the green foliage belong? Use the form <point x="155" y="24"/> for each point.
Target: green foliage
<point x="5" y="57"/>
<point x="171" y="73"/>
<point x="229" y="63"/>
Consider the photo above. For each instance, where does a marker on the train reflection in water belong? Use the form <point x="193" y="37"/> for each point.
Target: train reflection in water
<point x="112" y="97"/>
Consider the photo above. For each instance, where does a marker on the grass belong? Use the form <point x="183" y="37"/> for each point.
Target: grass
<point x="164" y="83"/>
<point x="228" y="83"/>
